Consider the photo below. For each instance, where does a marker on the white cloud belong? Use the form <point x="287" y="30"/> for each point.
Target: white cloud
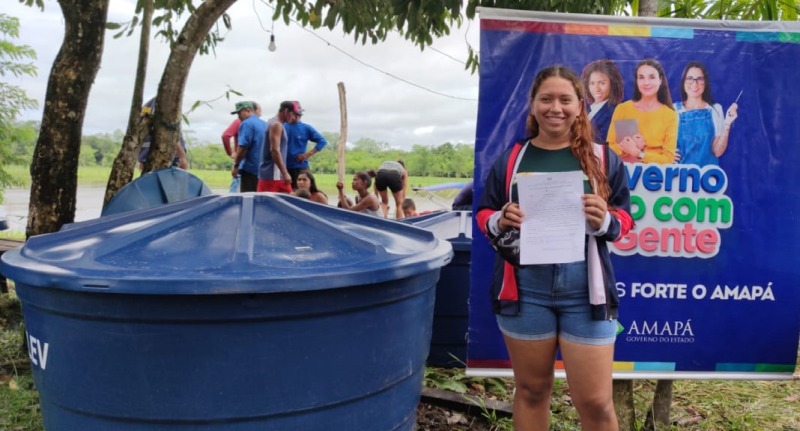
<point x="305" y="67"/>
<point x="424" y="130"/>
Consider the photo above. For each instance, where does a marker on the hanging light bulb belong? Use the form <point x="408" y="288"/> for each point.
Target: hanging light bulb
<point x="272" y="46"/>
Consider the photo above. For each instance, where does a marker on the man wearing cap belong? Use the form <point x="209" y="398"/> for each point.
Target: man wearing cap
<point x="272" y="174"/>
<point x="299" y="133"/>
<point x="230" y="136"/>
<point x="251" y="144"/>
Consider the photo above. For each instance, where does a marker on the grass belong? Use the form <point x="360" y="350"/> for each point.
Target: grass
<point x="96" y="176"/>
<point x="19" y="401"/>
<point x="697" y="405"/>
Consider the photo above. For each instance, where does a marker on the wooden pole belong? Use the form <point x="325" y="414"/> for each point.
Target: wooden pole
<point x="342" y="132"/>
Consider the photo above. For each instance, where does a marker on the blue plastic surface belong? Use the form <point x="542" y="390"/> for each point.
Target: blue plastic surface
<point x="156" y="188"/>
<point x="230" y="313"/>
<point x="451" y="312"/>
<point x="266" y="242"/>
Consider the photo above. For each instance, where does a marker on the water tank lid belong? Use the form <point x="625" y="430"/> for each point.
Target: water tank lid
<point x="240" y="243"/>
<point x="454" y="226"/>
<point x="156" y="188"/>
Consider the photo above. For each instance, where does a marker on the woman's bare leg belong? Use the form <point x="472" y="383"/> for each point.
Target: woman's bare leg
<point x="398" y="202"/>
<point x="533" y="379"/>
<point x="384" y="202"/>
<point x="588" y="371"/>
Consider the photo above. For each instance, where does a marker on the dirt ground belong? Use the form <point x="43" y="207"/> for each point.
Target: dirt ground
<point x="434" y="418"/>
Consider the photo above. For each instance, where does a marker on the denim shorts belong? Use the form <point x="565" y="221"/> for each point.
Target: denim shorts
<point x="554" y="301"/>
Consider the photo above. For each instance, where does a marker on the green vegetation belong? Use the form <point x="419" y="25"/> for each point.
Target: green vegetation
<point x="13" y="99"/>
<point x="697" y="405"/>
<point x="97" y="176"/>
<point x="99" y="150"/>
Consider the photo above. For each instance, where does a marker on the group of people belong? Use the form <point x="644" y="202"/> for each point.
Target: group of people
<point x="391" y="176"/>
<point x="272" y="155"/>
<point x="650" y="128"/>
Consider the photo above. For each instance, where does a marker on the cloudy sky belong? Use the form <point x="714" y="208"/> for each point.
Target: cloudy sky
<point x="395" y="93"/>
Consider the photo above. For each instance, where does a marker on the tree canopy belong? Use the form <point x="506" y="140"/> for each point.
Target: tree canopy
<point x="13" y="99"/>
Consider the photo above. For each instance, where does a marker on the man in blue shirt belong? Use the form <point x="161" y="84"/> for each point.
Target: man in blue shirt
<point x="299" y="134"/>
<point x="251" y="145"/>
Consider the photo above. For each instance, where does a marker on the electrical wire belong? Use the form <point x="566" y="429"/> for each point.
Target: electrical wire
<point x="352" y="57"/>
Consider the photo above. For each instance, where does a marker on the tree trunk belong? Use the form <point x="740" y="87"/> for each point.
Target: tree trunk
<point x="623" y="404"/>
<point x="167" y="116"/>
<point x="54" y="171"/>
<point x="125" y="162"/>
<point x="648" y="7"/>
<point x="658" y="415"/>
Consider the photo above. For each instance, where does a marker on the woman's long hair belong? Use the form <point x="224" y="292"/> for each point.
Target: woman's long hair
<point x="608" y="68"/>
<point x="580" y="132"/>
<point x="663" y="94"/>
<point x="313" y="189"/>
<point x="706" y="89"/>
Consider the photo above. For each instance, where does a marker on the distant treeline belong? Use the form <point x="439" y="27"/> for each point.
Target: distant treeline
<point x="445" y="160"/>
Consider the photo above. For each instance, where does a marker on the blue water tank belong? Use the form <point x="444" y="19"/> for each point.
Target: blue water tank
<point x="156" y="188"/>
<point x="451" y="312"/>
<point x="241" y="312"/>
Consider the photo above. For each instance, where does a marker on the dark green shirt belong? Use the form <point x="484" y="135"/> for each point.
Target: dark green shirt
<point x="537" y="159"/>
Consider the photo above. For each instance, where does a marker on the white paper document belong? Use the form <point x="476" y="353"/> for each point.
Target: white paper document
<point x="554" y="227"/>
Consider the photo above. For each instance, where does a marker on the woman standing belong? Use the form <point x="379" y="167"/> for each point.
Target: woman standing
<point x="703" y="132"/>
<point x="305" y="180"/>
<point x="653" y="134"/>
<point x="392" y="175"/>
<point x="548" y="307"/>
<point x="602" y="85"/>
<point x="365" y="202"/>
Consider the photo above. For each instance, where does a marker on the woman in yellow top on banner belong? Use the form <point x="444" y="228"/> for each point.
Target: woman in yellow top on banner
<point x="645" y="129"/>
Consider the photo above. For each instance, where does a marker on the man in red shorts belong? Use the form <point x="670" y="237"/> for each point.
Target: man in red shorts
<point x="272" y="173"/>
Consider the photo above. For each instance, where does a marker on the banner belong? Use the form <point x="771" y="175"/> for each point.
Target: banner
<point x="709" y="279"/>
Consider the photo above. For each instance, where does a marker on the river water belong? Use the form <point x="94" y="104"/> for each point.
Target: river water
<point x="89" y="204"/>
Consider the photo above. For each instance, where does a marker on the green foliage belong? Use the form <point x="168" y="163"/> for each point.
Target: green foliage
<point x="746" y="10"/>
<point x="446" y="160"/>
<point x="198" y="103"/>
<point x="167" y="15"/>
<point x="100" y="149"/>
<point x="496" y="423"/>
<point x="13" y="99"/>
<point x="209" y="157"/>
<point x="417" y="20"/>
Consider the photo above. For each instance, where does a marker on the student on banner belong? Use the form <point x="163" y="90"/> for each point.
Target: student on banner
<point x="571" y="307"/>
<point x="603" y="87"/>
<point x="645" y="129"/>
<point x="704" y="130"/>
